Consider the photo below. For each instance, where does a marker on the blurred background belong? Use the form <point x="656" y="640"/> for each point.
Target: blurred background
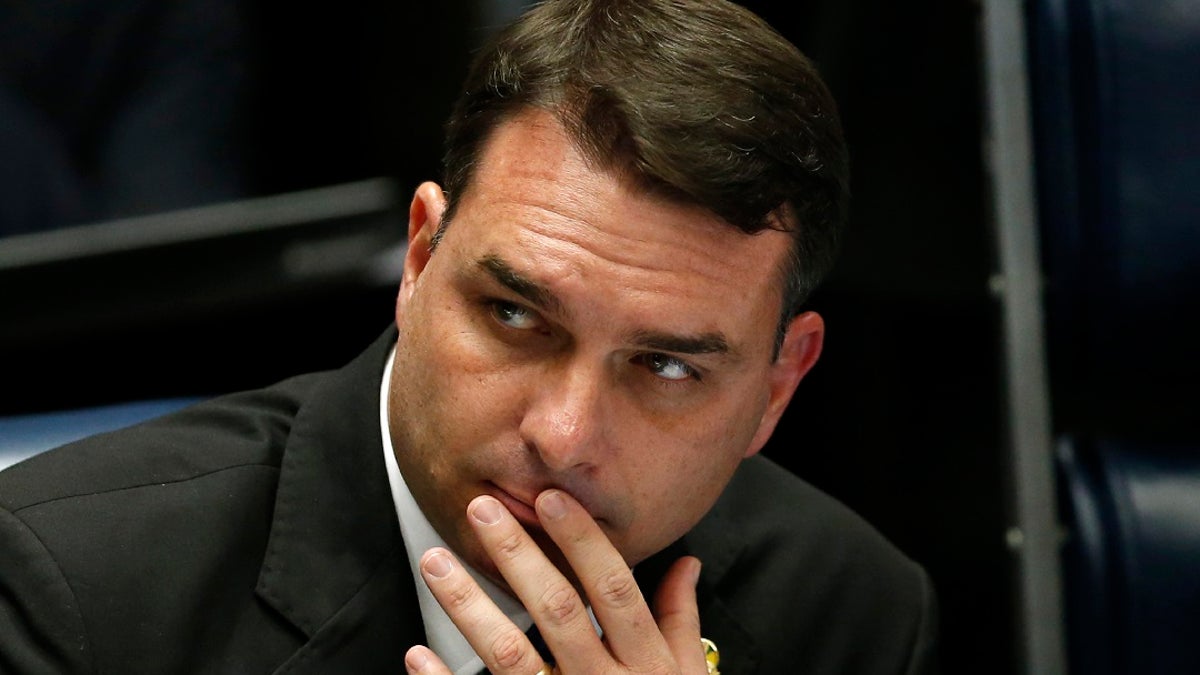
<point x="201" y="196"/>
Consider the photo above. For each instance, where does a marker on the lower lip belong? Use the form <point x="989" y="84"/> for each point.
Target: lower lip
<point x="523" y="512"/>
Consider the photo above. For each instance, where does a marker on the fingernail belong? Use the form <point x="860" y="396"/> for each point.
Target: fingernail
<point x="553" y="505"/>
<point x="696" y="572"/>
<point x="416" y="660"/>
<point x="438" y="566"/>
<point x="486" y="511"/>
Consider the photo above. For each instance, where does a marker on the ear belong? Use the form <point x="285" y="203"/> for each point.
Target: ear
<point x="424" y="219"/>
<point x="801" y="347"/>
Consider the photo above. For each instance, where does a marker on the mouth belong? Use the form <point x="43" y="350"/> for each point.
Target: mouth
<point x="521" y="508"/>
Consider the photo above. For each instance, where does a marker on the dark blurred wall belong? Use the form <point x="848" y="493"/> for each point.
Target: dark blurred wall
<point x="323" y="96"/>
<point x="357" y="92"/>
<point x="901" y="417"/>
<point x="121" y="107"/>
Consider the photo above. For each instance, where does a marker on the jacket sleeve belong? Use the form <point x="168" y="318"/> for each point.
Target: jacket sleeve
<point x="41" y="630"/>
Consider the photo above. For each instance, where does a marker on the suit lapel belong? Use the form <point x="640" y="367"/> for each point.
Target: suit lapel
<point x="719" y="544"/>
<point x="335" y="565"/>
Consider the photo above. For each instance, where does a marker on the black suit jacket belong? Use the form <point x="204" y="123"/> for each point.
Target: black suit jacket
<point x="255" y="533"/>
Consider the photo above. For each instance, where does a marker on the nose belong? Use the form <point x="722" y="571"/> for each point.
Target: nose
<point x="564" y="421"/>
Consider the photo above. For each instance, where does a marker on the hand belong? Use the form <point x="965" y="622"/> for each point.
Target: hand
<point x="635" y="639"/>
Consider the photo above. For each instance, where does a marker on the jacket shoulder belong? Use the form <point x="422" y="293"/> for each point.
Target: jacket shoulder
<point x="119" y="545"/>
<point x="243" y="429"/>
<point x="810" y="579"/>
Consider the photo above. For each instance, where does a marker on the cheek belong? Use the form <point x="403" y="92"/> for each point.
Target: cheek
<point x="672" y="482"/>
<point x="675" y="473"/>
<point x="462" y="384"/>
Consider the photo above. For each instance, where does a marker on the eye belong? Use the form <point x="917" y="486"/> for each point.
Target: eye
<point x="513" y="315"/>
<point x="669" y="367"/>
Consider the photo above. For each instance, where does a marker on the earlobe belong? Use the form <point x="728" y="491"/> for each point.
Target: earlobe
<point x="799" y="353"/>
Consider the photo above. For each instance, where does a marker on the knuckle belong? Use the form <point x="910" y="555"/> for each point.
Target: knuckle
<point x="511" y="545"/>
<point x="508" y="649"/>
<point x="618" y="589"/>
<point x="459" y="596"/>
<point x="561" y="604"/>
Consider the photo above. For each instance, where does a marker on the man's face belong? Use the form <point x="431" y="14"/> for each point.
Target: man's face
<point x="571" y="331"/>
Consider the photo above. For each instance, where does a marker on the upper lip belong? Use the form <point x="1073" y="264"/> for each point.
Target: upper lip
<point x="518" y="496"/>
<point x="529" y="498"/>
<point x="525" y="496"/>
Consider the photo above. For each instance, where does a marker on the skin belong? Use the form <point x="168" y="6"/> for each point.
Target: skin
<point x="577" y="340"/>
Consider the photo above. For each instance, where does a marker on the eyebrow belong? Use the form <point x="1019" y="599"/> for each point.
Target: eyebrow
<point x="706" y="343"/>
<point x="520" y="284"/>
<point x="544" y="298"/>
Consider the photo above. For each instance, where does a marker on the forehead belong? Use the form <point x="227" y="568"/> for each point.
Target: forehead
<point x="539" y="203"/>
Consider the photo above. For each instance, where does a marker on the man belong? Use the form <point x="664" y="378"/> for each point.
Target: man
<point x="598" y="327"/>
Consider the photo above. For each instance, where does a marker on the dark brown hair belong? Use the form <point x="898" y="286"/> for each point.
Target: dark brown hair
<point x="697" y="100"/>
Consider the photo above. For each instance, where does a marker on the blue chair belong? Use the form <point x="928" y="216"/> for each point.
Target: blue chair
<point x="23" y="436"/>
<point x="1117" y="148"/>
<point x="1117" y="144"/>
<point x="1132" y="557"/>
